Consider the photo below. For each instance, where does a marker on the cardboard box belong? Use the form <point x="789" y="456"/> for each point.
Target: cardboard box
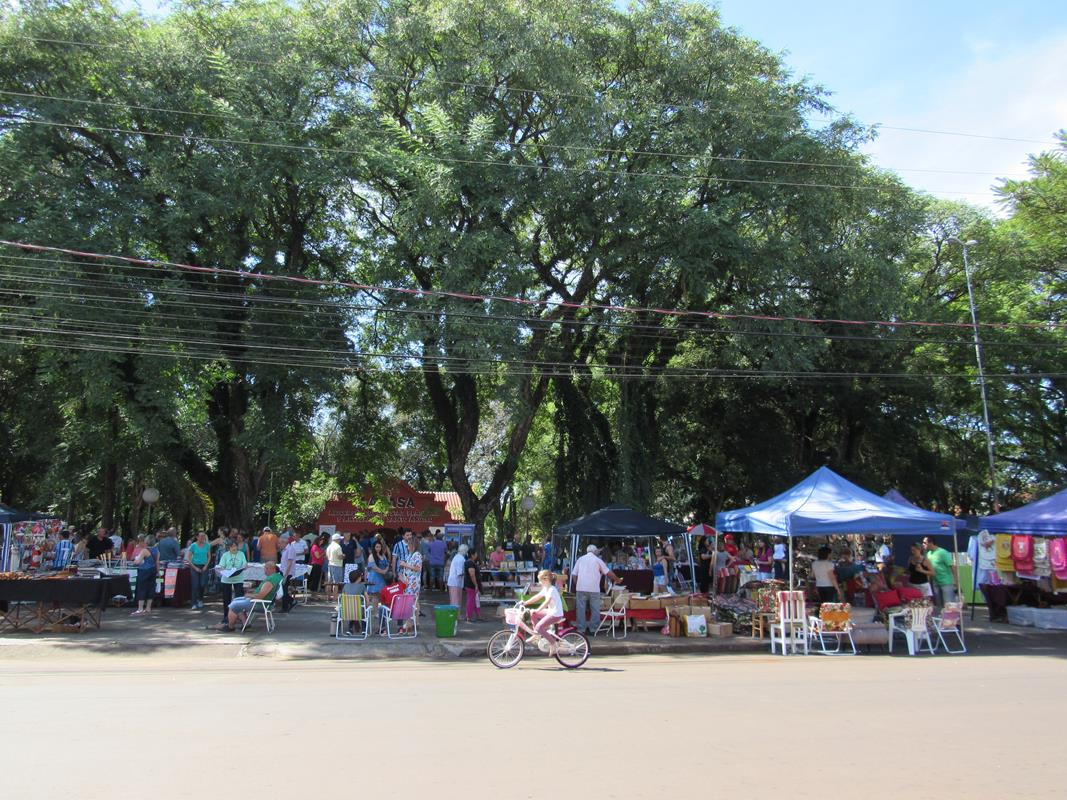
<point x="672" y="601"/>
<point x="699" y="601"/>
<point x="645" y="603"/>
<point x="720" y="629"/>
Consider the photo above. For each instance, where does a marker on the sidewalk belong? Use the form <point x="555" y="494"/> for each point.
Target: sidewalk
<point x="306" y="633"/>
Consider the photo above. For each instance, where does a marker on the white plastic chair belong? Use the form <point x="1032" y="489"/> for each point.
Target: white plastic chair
<point x="402" y="608"/>
<point x="267" y="607"/>
<point x="791" y="627"/>
<point x="352" y="608"/>
<point x="615" y="615"/>
<point x="917" y="629"/>
<point x="950" y="623"/>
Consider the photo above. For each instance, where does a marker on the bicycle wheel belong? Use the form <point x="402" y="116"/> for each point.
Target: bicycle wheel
<point x="505" y="649"/>
<point x="572" y="650"/>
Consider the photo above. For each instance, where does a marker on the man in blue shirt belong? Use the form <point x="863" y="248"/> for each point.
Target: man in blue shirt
<point x="64" y="549"/>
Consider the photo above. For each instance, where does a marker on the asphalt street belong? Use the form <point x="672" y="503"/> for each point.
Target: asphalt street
<point x="686" y="726"/>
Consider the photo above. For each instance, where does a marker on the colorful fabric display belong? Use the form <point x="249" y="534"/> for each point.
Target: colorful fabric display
<point x="1022" y="552"/>
<point x="1057" y="557"/>
<point x="835" y="616"/>
<point x="1003" y="558"/>
<point x="1042" y="568"/>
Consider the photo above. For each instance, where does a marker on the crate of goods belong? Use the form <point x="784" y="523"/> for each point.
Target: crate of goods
<point x="1050" y="618"/>
<point x="1020" y="615"/>
<point x="669" y="601"/>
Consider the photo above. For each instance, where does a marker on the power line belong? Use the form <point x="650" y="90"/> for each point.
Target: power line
<point x="485" y="322"/>
<point x="533" y="144"/>
<point x="528" y="302"/>
<point x="549" y="92"/>
<point x="545" y="168"/>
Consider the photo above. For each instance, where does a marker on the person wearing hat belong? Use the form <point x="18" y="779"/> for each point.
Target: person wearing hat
<point x="588" y="570"/>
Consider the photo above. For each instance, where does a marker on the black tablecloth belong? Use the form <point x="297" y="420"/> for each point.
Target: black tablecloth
<point x="66" y="592"/>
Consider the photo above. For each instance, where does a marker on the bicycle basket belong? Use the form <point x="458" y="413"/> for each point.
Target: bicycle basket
<point x="513" y="616"/>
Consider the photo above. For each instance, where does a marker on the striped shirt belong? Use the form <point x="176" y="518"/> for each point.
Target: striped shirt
<point x="61" y="555"/>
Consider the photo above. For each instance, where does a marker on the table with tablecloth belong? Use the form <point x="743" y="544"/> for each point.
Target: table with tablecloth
<point x="57" y="603"/>
<point x="655" y="617"/>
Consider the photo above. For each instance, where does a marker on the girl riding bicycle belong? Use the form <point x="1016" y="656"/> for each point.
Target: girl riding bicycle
<point x="550" y="612"/>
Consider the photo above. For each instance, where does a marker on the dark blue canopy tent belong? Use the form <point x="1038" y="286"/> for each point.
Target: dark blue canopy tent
<point x="619" y="522"/>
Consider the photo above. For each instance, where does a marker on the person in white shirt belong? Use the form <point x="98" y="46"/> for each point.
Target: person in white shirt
<point x="294" y="553"/>
<point x="455" y="576"/>
<point x="884" y="554"/>
<point x="550" y="610"/>
<point x="587" y="573"/>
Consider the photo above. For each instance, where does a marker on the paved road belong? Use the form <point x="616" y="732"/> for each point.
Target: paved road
<point x="630" y="727"/>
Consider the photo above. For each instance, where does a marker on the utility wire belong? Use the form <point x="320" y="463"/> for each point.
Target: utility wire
<point x="522" y="301"/>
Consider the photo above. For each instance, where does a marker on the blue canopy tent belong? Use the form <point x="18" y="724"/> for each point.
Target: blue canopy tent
<point x="1046" y="517"/>
<point x="823" y="504"/>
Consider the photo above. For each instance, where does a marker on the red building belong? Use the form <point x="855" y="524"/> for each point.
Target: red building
<point x="417" y="511"/>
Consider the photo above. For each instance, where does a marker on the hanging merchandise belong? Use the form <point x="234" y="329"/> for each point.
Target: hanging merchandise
<point x="1057" y="556"/>
<point x="1003" y="557"/>
<point x="1042" y="568"/>
<point x="1022" y="552"/>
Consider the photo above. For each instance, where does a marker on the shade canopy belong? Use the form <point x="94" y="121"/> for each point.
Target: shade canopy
<point x="701" y="529"/>
<point x="824" y="503"/>
<point x="1046" y="517"/>
<point x="897" y="497"/>
<point x="9" y="515"/>
<point x="619" y="522"/>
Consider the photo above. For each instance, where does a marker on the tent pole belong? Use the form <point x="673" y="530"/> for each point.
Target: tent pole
<point x="5" y="555"/>
<point x="789" y="544"/>
<point x="974" y="572"/>
<point x="955" y="562"/>
<point x="692" y="564"/>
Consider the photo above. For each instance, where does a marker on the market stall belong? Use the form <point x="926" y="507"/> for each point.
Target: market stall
<point x="620" y="523"/>
<point x="57" y="602"/>
<point x="825" y="504"/>
<point x="1022" y="563"/>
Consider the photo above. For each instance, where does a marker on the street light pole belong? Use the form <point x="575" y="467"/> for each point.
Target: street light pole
<point x="981" y="371"/>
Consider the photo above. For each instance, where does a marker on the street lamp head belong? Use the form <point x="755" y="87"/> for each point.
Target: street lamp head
<point x="957" y="240"/>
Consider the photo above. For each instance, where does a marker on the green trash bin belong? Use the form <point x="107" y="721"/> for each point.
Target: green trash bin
<point x="446" y="618"/>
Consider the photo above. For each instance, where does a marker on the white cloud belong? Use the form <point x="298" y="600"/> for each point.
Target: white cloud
<point x="1018" y="93"/>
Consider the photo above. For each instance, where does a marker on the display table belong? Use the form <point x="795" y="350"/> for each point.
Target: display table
<point x="648" y="617"/>
<point x="59" y="604"/>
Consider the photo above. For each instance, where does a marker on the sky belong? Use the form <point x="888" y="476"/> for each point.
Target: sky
<point x="977" y="67"/>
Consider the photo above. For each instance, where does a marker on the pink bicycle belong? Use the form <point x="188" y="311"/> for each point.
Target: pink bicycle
<point x="507" y="647"/>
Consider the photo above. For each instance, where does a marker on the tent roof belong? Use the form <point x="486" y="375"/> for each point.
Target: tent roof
<point x="1046" y="517"/>
<point x="897" y="497"/>
<point x="824" y="503"/>
<point x="618" y="522"/>
<point x="9" y="515"/>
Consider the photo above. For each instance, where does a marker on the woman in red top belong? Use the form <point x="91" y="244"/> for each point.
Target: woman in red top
<point x="318" y="558"/>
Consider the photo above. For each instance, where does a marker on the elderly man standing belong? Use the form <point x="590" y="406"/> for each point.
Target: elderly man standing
<point x="586" y="574"/>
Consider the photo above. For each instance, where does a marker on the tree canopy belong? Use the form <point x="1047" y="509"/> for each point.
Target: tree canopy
<point x="575" y="252"/>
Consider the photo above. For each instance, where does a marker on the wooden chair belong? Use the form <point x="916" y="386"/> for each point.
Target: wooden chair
<point x="766" y="610"/>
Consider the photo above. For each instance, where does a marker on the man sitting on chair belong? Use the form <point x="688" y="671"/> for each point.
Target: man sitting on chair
<point x="240" y="606"/>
